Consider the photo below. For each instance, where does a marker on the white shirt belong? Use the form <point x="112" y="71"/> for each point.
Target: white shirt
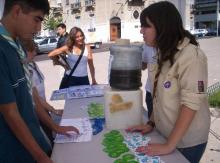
<point x="81" y="69"/>
<point x="149" y="57"/>
<point x="37" y="79"/>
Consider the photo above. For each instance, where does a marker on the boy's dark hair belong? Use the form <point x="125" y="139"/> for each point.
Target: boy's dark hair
<point x="62" y="25"/>
<point x="27" y="5"/>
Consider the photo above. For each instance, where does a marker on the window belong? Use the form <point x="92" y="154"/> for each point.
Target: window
<point x="67" y="2"/>
<point x="136" y="14"/>
<point x="44" y="42"/>
<point x="53" y="40"/>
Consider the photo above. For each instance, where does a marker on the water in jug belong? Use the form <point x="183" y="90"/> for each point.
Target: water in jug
<point x="126" y="63"/>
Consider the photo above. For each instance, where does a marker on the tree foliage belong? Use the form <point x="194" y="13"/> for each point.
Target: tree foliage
<point x="214" y="99"/>
<point x="51" y="21"/>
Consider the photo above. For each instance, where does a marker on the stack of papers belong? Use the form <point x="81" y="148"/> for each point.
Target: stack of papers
<point x="59" y="94"/>
<point x="84" y="127"/>
<point x="83" y="91"/>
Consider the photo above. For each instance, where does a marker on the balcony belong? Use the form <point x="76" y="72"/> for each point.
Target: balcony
<point x="75" y="7"/>
<point x="89" y="5"/>
<point x="91" y="29"/>
<point x="67" y="2"/>
<point x="135" y="2"/>
<point x="204" y="1"/>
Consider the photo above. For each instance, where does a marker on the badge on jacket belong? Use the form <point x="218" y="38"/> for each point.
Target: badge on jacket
<point x="167" y="84"/>
<point x="200" y="86"/>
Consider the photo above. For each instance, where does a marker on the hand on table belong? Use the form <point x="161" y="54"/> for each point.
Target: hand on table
<point x="155" y="149"/>
<point x="94" y="82"/>
<point x="65" y="129"/>
<point x="143" y="129"/>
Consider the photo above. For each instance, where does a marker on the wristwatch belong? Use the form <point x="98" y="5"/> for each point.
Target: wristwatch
<point x="151" y="123"/>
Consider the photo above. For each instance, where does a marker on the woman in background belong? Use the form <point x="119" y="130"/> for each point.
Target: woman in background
<point x="75" y="45"/>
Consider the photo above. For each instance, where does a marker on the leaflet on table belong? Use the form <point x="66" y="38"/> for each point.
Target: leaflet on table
<point x="78" y="92"/>
<point x="85" y="91"/>
<point x="60" y="94"/>
<point x="84" y="127"/>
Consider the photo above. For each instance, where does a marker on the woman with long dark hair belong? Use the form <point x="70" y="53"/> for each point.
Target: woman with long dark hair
<point x="75" y="45"/>
<point x="180" y="105"/>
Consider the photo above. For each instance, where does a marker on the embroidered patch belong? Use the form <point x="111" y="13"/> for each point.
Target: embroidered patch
<point x="167" y="84"/>
<point x="200" y="86"/>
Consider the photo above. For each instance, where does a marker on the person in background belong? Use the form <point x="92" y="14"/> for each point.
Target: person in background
<point x="74" y="46"/>
<point x="2" y="4"/>
<point x="43" y="109"/>
<point x="180" y="104"/>
<point x="61" y="30"/>
<point x="148" y="62"/>
<point x="21" y="139"/>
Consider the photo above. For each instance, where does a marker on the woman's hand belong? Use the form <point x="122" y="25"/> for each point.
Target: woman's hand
<point x="140" y="128"/>
<point x="156" y="149"/>
<point x="94" y="82"/>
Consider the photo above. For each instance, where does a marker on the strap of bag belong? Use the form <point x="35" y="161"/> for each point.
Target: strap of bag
<point x="76" y="64"/>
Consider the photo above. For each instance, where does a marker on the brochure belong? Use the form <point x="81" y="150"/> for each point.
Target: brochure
<point x="84" y="127"/>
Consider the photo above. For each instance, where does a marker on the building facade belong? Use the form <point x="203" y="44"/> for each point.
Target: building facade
<point x="206" y="14"/>
<point x="107" y="20"/>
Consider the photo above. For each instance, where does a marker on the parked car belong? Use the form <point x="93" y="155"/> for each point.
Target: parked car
<point x="211" y="32"/>
<point x="199" y="32"/>
<point x="38" y="39"/>
<point x="47" y="45"/>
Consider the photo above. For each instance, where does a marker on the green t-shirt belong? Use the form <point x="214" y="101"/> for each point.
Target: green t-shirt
<point x="13" y="88"/>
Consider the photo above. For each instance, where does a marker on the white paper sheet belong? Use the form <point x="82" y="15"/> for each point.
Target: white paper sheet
<point x="60" y="94"/>
<point x="74" y="92"/>
<point x="85" y="91"/>
<point x="84" y="127"/>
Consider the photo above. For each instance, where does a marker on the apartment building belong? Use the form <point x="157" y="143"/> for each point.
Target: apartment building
<point x="206" y="13"/>
<point x="107" y="20"/>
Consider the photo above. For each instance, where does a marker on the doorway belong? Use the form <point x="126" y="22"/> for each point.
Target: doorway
<point x="115" y="28"/>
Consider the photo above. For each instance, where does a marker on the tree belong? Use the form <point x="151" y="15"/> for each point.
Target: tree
<point x="51" y="21"/>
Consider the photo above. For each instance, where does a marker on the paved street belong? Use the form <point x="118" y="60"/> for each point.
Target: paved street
<point x="211" y="46"/>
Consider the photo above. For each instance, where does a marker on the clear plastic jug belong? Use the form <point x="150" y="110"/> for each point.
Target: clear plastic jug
<point x="126" y="63"/>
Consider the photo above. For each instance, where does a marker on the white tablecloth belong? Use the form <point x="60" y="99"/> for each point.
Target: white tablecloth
<point x="91" y="152"/>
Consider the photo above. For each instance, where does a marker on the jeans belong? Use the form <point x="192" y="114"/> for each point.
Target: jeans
<point x="193" y="154"/>
<point x="149" y="103"/>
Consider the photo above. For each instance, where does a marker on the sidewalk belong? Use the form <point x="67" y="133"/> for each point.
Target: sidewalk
<point x="210" y="46"/>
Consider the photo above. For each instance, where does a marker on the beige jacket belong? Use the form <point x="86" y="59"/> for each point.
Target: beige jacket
<point x="183" y="83"/>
